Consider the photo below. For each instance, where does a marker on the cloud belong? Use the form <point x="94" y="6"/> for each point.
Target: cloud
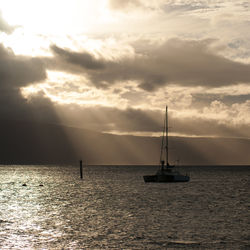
<point x="202" y="126"/>
<point x="84" y="59"/>
<point x="16" y="72"/>
<point x="139" y="121"/>
<point x="4" y="26"/>
<point x="120" y="4"/>
<point x="169" y="6"/>
<point x="184" y="7"/>
<point x="215" y="118"/>
<point x="176" y="61"/>
<point x="201" y="100"/>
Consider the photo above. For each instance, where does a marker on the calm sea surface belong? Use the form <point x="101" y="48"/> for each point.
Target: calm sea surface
<point x="112" y="208"/>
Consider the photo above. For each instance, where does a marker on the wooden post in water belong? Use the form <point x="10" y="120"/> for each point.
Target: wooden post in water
<point x="81" y="169"/>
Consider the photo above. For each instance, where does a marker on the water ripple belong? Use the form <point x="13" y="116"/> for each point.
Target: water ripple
<point x="113" y="208"/>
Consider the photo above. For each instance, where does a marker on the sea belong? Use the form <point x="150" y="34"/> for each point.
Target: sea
<point x="50" y="207"/>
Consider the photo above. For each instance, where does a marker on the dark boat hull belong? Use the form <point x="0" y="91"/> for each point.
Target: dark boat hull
<point x="166" y="178"/>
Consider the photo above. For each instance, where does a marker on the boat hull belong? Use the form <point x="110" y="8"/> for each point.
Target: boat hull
<point x="166" y="178"/>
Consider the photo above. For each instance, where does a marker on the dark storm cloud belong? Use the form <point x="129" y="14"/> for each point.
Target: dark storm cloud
<point x="4" y="26"/>
<point x="19" y="71"/>
<point x="187" y="63"/>
<point x="84" y="60"/>
<point x="16" y="72"/>
<point x="24" y="137"/>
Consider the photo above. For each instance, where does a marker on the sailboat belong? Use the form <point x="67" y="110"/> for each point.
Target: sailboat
<point x="166" y="172"/>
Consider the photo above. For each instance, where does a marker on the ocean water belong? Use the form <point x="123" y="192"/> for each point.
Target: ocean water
<point x="112" y="208"/>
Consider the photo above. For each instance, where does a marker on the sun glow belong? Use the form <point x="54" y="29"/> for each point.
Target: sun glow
<point x="40" y="23"/>
<point x="57" y="16"/>
<point x="30" y="90"/>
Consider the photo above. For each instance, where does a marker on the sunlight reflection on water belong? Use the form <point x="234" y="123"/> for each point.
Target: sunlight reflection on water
<point x="113" y="208"/>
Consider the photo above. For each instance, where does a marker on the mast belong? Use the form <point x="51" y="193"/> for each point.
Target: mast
<point x="162" y="157"/>
<point x="166" y="143"/>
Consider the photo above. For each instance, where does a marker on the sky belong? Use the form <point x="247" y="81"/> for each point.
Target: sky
<point x="113" y="65"/>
